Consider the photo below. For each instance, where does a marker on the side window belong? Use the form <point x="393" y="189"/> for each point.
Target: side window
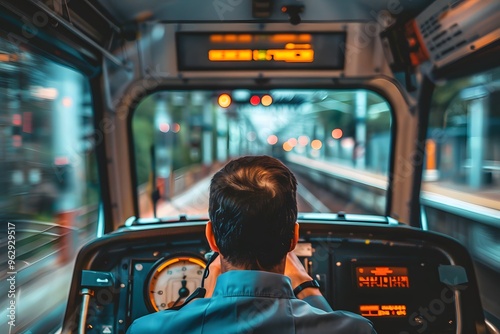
<point x="49" y="185"/>
<point x="461" y="188"/>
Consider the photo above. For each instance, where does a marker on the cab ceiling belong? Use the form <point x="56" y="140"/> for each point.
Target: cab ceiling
<point x="126" y="11"/>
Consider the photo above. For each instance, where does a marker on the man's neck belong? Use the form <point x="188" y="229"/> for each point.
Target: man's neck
<point x="227" y="266"/>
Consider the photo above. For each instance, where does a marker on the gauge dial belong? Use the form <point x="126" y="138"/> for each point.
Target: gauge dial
<point x="174" y="279"/>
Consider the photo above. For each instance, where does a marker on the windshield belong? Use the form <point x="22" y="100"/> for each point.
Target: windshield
<point x="337" y="142"/>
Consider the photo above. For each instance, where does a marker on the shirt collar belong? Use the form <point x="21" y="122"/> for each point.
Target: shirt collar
<point x="253" y="283"/>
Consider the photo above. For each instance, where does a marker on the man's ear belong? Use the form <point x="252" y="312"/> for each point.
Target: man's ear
<point x="295" y="238"/>
<point x="209" y="233"/>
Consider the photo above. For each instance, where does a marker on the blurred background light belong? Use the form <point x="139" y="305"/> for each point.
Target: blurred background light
<point x="316" y="144"/>
<point x="266" y="100"/>
<point x="272" y="140"/>
<point x="337" y="133"/>
<point x="224" y="100"/>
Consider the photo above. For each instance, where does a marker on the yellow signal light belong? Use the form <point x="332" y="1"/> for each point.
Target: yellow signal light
<point x="224" y="100"/>
<point x="266" y="100"/>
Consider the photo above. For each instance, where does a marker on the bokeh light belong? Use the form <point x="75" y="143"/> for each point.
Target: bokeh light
<point x="303" y="140"/>
<point x="337" y="133"/>
<point x="316" y="144"/>
<point x="272" y="140"/>
<point x="67" y="101"/>
<point x="176" y="127"/>
<point x="251" y="136"/>
<point x="224" y="100"/>
<point x="287" y="147"/>
<point x="164" y="127"/>
<point x="254" y="100"/>
<point x="292" y="142"/>
<point x="266" y="100"/>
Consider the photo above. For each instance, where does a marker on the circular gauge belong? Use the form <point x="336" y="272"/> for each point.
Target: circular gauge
<point x="173" y="279"/>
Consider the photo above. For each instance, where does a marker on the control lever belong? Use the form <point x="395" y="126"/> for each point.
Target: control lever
<point x="91" y="279"/>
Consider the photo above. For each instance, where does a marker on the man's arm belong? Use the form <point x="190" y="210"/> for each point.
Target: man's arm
<point x="214" y="272"/>
<point x="298" y="275"/>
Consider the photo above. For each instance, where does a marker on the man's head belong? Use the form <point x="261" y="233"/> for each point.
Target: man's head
<point x="253" y="212"/>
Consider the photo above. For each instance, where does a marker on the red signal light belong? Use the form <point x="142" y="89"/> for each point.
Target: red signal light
<point x="254" y="100"/>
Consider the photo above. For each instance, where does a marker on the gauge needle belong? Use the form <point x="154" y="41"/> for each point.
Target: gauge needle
<point x="183" y="291"/>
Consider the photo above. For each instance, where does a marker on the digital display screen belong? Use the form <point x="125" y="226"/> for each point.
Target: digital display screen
<point x="382" y="277"/>
<point x="398" y="310"/>
<point x="260" y="51"/>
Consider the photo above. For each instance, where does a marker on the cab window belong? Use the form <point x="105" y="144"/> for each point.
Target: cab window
<point x="346" y="132"/>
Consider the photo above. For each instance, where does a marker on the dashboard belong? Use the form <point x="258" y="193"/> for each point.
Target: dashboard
<point x="403" y="279"/>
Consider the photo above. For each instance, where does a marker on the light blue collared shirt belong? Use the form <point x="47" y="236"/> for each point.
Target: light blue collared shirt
<point x="246" y="302"/>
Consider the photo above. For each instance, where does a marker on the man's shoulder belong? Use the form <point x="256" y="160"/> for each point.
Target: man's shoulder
<point x="355" y="323"/>
<point x="168" y="320"/>
<point x="342" y="321"/>
<point x="361" y="323"/>
<point x="152" y="323"/>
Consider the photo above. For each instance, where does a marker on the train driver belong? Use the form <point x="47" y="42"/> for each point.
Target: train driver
<point x="258" y="285"/>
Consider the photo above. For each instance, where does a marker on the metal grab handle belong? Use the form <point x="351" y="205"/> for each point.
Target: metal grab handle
<point x="86" y="293"/>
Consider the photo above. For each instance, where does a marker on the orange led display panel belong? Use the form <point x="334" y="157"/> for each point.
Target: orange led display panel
<point x="285" y="55"/>
<point x="397" y="310"/>
<point x="382" y="277"/>
<point x="230" y="55"/>
<point x="260" y="50"/>
<point x="294" y="50"/>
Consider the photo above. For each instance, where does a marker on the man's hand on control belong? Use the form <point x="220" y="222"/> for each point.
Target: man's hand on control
<point x="214" y="272"/>
<point x="298" y="275"/>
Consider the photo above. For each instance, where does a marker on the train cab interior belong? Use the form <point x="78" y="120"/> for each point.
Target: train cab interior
<point x="117" y="113"/>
